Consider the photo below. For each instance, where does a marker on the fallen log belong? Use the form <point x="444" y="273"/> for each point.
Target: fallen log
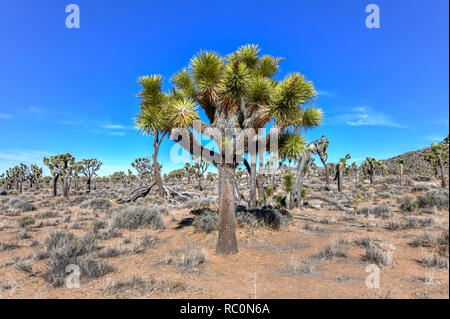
<point x="329" y="201"/>
<point x="137" y="193"/>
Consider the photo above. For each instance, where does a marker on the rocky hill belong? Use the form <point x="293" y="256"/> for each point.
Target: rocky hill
<point x="415" y="163"/>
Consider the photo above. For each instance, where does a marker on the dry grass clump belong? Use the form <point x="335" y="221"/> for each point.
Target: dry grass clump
<point x="332" y="250"/>
<point x="381" y="254"/>
<point x="190" y="257"/>
<point x="146" y="286"/>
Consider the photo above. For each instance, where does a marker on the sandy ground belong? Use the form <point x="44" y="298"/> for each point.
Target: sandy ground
<point x="259" y="270"/>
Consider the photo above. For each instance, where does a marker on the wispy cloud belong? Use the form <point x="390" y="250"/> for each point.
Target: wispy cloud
<point x="117" y="133"/>
<point x="434" y="138"/>
<point x="325" y="93"/>
<point x="366" y="116"/>
<point x="116" y="127"/>
<point x="14" y="157"/>
<point x="5" y="116"/>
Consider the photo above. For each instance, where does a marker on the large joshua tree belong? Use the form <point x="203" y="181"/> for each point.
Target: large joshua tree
<point x="438" y="154"/>
<point x="239" y="94"/>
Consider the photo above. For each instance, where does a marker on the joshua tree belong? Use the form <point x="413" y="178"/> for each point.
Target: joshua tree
<point x="153" y="118"/>
<point x="143" y="167"/>
<point x="89" y="167"/>
<point x="239" y="95"/>
<point x="200" y="166"/>
<point x="340" y="167"/>
<point x="288" y="183"/>
<point x="60" y="166"/>
<point x="18" y="175"/>
<point x="117" y="177"/>
<point x="35" y="174"/>
<point x="355" y="169"/>
<point x="370" y="166"/>
<point x="189" y="171"/>
<point x="321" y="150"/>
<point x="439" y="154"/>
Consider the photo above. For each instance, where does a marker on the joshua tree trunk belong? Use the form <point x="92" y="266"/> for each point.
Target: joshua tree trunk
<point x="401" y="174"/>
<point x="327" y="178"/>
<point x="156" y="143"/>
<point x="252" y="201"/>
<point x="371" y="178"/>
<point x="441" y="165"/>
<point x="298" y="185"/>
<point x="65" y="188"/>
<point x="260" y="181"/>
<point x="339" y="177"/>
<point x="200" y="183"/>
<point x="55" y="186"/>
<point x="227" y="242"/>
<point x="357" y="179"/>
<point x="89" y="184"/>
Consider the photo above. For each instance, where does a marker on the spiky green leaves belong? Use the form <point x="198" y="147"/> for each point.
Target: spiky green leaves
<point x="309" y="118"/>
<point x="291" y="146"/>
<point x="234" y="82"/>
<point x="268" y="66"/>
<point x="206" y="69"/>
<point x="184" y="82"/>
<point x="181" y="113"/>
<point x="151" y="119"/>
<point x="151" y="93"/>
<point x="260" y="90"/>
<point x="289" y="95"/>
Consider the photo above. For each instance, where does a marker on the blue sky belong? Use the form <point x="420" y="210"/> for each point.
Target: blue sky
<point x="383" y="91"/>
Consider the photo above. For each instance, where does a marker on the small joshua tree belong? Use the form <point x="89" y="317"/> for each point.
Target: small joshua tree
<point x="288" y="183"/>
<point x="89" y="168"/>
<point x="340" y="168"/>
<point x="439" y="154"/>
<point x="200" y="166"/>
<point x="60" y="166"/>
<point x="370" y="167"/>
<point x="321" y="150"/>
<point x="355" y="170"/>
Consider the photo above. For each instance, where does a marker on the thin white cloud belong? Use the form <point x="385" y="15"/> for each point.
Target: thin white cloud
<point x="366" y="116"/>
<point x="15" y="157"/>
<point x="117" y="133"/>
<point x="434" y="138"/>
<point x="5" y="116"/>
<point x="34" y="109"/>
<point x="116" y="127"/>
<point x="325" y="93"/>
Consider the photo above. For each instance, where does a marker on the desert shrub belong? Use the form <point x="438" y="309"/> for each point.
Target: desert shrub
<point x="24" y="266"/>
<point x="298" y="267"/>
<point x="26" y="221"/>
<point x="136" y="217"/>
<point x="206" y="222"/>
<point x="98" y="224"/>
<point x="382" y="211"/>
<point x="200" y="203"/>
<point x="433" y="199"/>
<point x="407" y="204"/>
<point x="331" y="251"/>
<point x="44" y="215"/>
<point x="417" y="222"/>
<point x="266" y="216"/>
<point x="8" y="246"/>
<point x="97" y="204"/>
<point x="433" y="260"/>
<point x="425" y="240"/>
<point x="189" y="257"/>
<point x="19" y="205"/>
<point x="66" y="249"/>
<point x="380" y="254"/>
<point x="92" y="268"/>
<point x="269" y="191"/>
<point x="78" y="200"/>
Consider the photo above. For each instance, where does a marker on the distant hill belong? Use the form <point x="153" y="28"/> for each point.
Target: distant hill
<point x="415" y="163"/>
